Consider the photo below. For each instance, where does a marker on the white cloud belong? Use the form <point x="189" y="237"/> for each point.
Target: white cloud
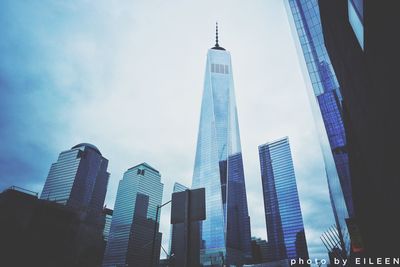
<point x="131" y="75"/>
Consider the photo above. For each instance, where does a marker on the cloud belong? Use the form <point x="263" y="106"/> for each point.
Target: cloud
<point x="127" y="77"/>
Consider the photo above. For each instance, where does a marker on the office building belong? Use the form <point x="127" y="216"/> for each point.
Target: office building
<point x="79" y="180"/>
<point x="261" y="251"/>
<point x="218" y="167"/>
<point x="324" y="93"/>
<point x="363" y="45"/>
<point x="38" y="232"/>
<point x="133" y="225"/>
<point x="107" y="222"/>
<point x="285" y="227"/>
<point x="141" y="249"/>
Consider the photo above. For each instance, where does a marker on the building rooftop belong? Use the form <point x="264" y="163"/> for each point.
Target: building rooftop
<point x="145" y="165"/>
<point x="87" y="145"/>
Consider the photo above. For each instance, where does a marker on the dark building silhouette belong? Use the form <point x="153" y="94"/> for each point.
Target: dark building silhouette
<point x="140" y="246"/>
<point x="37" y="232"/>
<point x="301" y="249"/>
<point x="164" y="263"/>
<point x="362" y="41"/>
<point x="261" y="250"/>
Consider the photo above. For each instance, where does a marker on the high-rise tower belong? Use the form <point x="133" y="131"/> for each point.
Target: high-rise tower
<point x="130" y="242"/>
<point x="79" y="180"/>
<point x="327" y="105"/>
<point x="218" y="167"/>
<point x="361" y="40"/>
<point x="285" y="227"/>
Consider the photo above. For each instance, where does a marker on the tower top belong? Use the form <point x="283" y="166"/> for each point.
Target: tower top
<point x="87" y="145"/>
<point x="217" y="47"/>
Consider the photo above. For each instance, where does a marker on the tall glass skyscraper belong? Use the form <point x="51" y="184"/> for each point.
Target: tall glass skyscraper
<point x="361" y="40"/>
<point x="306" y="24"/>
<point x="218" y="167"/>
<point x="141" y="182"/>
<point x="285" y="228"/>
<point x="79" y="179"/>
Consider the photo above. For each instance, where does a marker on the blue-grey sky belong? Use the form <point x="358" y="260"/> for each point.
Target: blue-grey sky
<point x="127" y="76"/>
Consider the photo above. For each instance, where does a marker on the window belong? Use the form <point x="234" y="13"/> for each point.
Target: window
<point x="220" y="68"/>
<point x="355" y="10"/>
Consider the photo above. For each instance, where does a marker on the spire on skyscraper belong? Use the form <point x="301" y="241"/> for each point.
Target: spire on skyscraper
<point x="216" y="34"/>
<point x="225" y="233"/>
<point x="217" y="47"/>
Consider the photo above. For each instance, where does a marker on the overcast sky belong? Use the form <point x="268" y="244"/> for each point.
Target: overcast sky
<point x="127" y="76"/>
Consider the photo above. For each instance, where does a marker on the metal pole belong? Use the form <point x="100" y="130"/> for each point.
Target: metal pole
<point x="186" y="224"/>
<point x="154" y="239"/>
<point x="155" y="233"/>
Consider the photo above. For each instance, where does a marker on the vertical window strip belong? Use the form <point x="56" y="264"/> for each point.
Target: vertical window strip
<point x="220" y="68"/>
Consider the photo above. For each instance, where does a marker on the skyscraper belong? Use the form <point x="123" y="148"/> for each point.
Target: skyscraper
<point x="261" y="250"/>
<point x="219" y="167"/>
<point x="361" y="37"/>
<point x="325" y="95"/>
<point x="79" y="180"/>
<point x="285" y="227"/>
<point x="144" y="244"/>
<point x="133" y="224"/>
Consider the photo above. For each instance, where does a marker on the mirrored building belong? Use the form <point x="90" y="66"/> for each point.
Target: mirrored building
<point x="326" y="103"/>
<point x="218" y="167"/>
<point x="362" y="41"/>
<point x="79" y="180"/>
<point x="285" y="229"/>
<point x="130" y="241"/>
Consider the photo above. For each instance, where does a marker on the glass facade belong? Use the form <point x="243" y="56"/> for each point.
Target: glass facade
<point x="141" y="179"/>
<point x="285" y="227"/>
<point x="79" y="179"/>
<point x="219" y="167"/>
<point x="356" y="18"/>
<point x="108" y="213"/>
<point x="326" y="104"/>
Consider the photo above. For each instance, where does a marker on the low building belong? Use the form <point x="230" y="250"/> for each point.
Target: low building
<point x="37" y="232"/>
